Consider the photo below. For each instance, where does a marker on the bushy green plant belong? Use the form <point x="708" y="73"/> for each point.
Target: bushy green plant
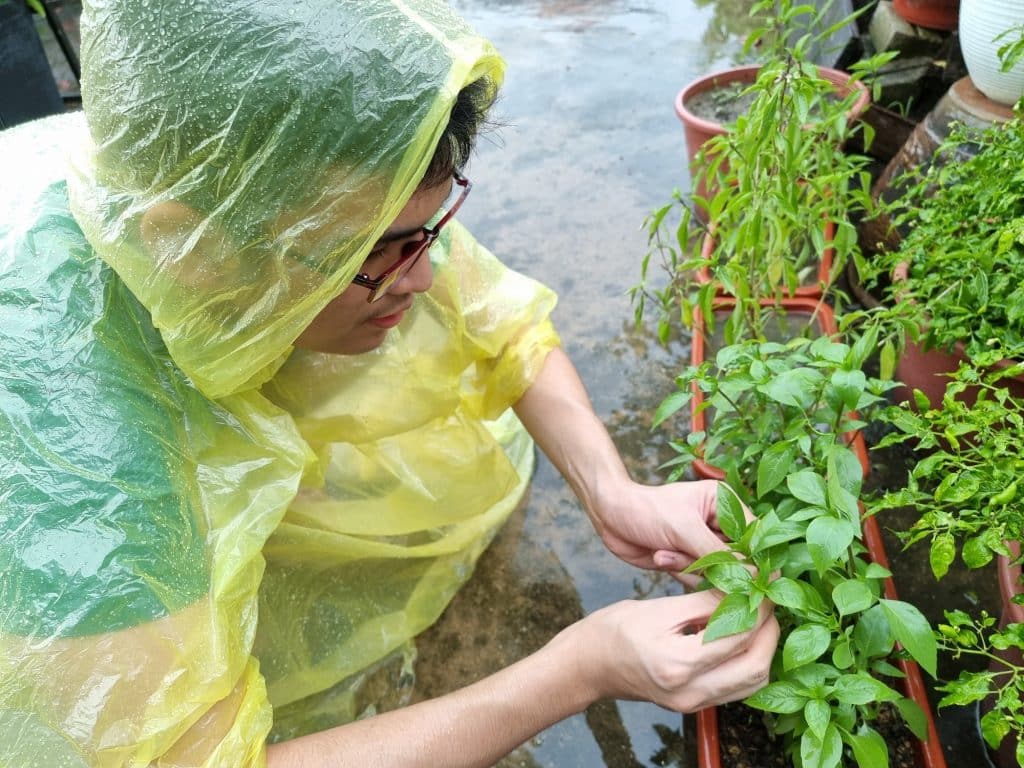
<point x="963" y="488"/>
<point x="777" y="179"/>
<point x="783" y="416"/>
<point x="963" y="246"/>
<point x="1002" y="683"/>
<point x="966" y="493"/>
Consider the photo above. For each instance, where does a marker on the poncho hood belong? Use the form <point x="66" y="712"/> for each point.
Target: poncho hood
<point x="245" y="155"/>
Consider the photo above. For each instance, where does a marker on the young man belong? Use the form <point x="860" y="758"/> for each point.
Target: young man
<point x="257" y="437"/>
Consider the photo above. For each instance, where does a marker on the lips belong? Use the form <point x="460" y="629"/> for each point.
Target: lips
<point x="389" y="321"/>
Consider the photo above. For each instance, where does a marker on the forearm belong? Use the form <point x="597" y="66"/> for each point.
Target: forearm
<point x="557" y="412"/>
<point x="474" y="726"/>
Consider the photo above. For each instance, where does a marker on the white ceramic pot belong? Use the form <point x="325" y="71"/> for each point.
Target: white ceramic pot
<point x="981" y="21"/>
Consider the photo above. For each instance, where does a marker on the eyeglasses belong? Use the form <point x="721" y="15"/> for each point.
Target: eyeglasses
<point x="412" y="250"/>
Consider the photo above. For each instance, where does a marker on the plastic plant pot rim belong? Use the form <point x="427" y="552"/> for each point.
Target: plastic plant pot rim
<point x="748" y="74"/>
<point x="930" y="14"/>
<point x="801" y="305"/>
<point x="927" y="754"/>
<point x="808" y="291"/>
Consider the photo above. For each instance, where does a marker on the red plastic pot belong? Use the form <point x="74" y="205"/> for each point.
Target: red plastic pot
<point x="814" y="290"/>
<point x="928" y="754"/>
<point x="822" y="316"/>
<point x="698" y="130"/>
<point x="931" y="14"/>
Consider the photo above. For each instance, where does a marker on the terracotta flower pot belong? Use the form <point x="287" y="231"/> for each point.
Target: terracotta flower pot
<point x="805" y="307"/>
<point x="698" y="130"/>
<point x="927" y="754"/>
<point x="931" y="14"/>
<point x="810" y="290"/>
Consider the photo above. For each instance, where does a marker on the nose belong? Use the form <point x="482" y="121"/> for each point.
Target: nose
<point x="418" y="279"/>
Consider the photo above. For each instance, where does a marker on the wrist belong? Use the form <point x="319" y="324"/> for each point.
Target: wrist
<point x="575" y="653"/>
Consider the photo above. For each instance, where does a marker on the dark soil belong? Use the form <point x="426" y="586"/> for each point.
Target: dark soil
<point x="721" y="105"/>
<point x="724" y="103"/>
<point x="746" y="743"/>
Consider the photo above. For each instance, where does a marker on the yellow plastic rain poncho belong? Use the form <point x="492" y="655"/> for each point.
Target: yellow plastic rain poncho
<point x="206" y="536"/>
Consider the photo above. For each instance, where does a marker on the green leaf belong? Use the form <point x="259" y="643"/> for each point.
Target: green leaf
<point x="842" y="654"/>
<point x="942" y="554"/>
<point x="957" y="488"/>
<point x="827" y="539"/>
<point x="852" y="596"/>
<point x="732" y="616"/>
<point x="913" y="632"/>
<point x="670" y="405"/>
<point x="775" y="464"/>
<point x="769" y="531"/>
<point x="994" y="728"/>
<point x="730" y="577"/>
<point x="818" y="715"/>
<point x="808" y="486"/>
<point x="871" y="633"/>
<point x="804" y="645"/>
<point x="876" y="571"/>
<point x="787" y="593"/>
<point x="717" y="557"/>
<point x="845" y="466"/>
<point x="869" y="748"/>
<point x="781" y="698"/>
<point x="821" y="753"/>
<point x="731" y="520"/>
<point x="849" y="385"/>
<point x="887" y="361"/>
<point x="797" y="387"/>
<point x="976" y="552"/>
<point x="913" y="716"/>
<point x="862" y="688"/>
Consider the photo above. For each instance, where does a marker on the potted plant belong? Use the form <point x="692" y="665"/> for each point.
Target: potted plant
<point x="784" y="194"/>
<point x="963" y="492"/>
<point x="709" y="106"/>
<point x="781" y="415"/>
<point x="958" y="273"/>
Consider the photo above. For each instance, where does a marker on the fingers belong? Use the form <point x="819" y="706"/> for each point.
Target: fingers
<point x="744" y="673"/>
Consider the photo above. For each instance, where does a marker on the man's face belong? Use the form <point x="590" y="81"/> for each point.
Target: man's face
<point x="349" y="325"/>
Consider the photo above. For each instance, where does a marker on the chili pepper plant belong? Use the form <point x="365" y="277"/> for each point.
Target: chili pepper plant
<point x="783" y="415"/>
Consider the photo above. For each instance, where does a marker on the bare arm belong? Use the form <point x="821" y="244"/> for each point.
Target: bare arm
<point x="664" y="527"/>
<point x="634" y="650"/>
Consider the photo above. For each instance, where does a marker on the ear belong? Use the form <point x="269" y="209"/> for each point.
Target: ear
<point x="184" y="245"/>
<point x="166" y="229"/>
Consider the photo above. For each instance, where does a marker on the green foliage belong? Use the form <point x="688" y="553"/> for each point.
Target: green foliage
<point x="783" y="414"/>
<point x="781" y="191"/>
<point x="1002" y="683"/>
<point x="963" y="220"/>
<point x="964" y="488"/>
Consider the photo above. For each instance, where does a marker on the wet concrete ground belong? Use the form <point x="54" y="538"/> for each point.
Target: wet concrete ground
<point x="591" y="145"/>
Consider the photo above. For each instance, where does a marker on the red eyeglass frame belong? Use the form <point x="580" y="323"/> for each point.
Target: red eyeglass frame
<point x="412" y="250"/>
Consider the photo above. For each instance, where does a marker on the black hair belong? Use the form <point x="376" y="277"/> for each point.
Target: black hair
<point x="468" y="117"/>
